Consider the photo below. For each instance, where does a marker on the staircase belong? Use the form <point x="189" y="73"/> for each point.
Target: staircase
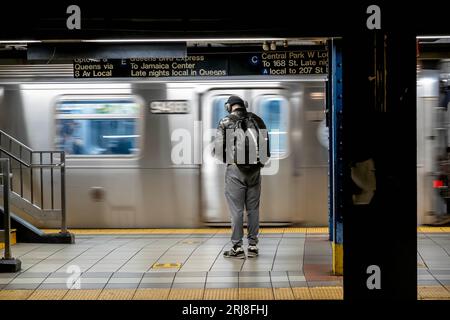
<point x="37" y="190"/>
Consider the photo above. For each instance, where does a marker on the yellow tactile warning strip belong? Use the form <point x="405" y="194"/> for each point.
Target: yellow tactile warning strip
<point x="283" y="294"/>
<point x="326" y="293"/>
<point x="298" y="293"/>
<point x="221" y="294"/>
<point x="185" y="294"/>
<point x="48" y="295"/>
<point x="15" y="294"/>
<point x="309" y="230"/>
<point x="433" y="229"/>
<point x="117" y="294"/>
<point x="143" y="231"/>
<point x="151" y="294"/>
<point x="82" y="295"/>
<point x="255" y="294"/>
<point x="272" y="230"/>
<point x="317" y="230"/>
<point x="296" y="230"/>
<point x="302" y="293"/>
<point x="433" y="293"/>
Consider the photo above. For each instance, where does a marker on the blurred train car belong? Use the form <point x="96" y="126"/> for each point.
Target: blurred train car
<point x="121" y="138"/>
<point x="433" y="144"/>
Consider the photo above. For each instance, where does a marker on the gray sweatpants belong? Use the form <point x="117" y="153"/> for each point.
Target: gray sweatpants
<point x="243" y="190"/>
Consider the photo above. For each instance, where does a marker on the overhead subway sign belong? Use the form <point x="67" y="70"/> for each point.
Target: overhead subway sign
<point x="288" y="63"/>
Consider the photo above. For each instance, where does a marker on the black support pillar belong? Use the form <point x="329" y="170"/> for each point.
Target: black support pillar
<point x="380" y="237"/>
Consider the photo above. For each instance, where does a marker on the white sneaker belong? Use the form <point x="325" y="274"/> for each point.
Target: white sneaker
<point x="252" y="251"/>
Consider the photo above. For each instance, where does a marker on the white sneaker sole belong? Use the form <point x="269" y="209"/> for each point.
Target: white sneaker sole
<point x="235" y="257"/>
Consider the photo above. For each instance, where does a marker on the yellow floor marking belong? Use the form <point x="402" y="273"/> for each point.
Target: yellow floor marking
<point x="326" y="293"/>
<point x="283" y="294"/>
<point x="295" y="230"/>
<point x="15" y="294"/>
<point x="151" y="294"/>
<point x="302" y="293"/>
<point x="117" y="294"/>
<point x="272" y="230"/>
<point x="186" y="294"/>
<point x="299" y="293"/>
<point x="433" y="293"/>
<point x="221" y="294"/>
<point x="317" y="230"/>
<point x="82" y="294"/>
<point x="429" y="229"/>
<point x="184" y="231"/>
<point x="48" y="294"/>
<point x="338" y="258"/>
<point x="310" y="230"/>
<point x="255" y="294"/>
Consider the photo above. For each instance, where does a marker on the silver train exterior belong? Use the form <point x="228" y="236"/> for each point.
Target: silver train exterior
<point x="147" y="189"/>
<point x="433" y="133"/>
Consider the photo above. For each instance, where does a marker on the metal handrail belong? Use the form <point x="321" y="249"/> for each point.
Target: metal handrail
<point x="15" y="140"/>
<point x="51" y="164"/>
<point x="33" y="165"/>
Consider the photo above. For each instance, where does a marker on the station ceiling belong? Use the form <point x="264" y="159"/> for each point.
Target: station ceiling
<point x="187" y="19"/>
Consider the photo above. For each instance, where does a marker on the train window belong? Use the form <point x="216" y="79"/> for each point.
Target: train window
<point x="218" y="110"/>
<point x="97" y="127"/>
<point x="274" y="111"/>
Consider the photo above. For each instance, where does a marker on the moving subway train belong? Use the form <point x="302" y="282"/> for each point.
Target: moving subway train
<point x="137" y="151"/>
<point x="433" y="147"/>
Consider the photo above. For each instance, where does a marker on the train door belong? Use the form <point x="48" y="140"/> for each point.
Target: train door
<point x="285" y="193"/>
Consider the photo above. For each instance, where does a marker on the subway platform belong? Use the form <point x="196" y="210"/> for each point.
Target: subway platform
<point x="187" y="264"/>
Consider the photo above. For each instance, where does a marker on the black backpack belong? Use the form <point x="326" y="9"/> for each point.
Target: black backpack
<point x="246" y="144"/>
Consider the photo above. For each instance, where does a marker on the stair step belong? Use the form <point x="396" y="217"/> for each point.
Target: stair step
<point x="2" y="238"/>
